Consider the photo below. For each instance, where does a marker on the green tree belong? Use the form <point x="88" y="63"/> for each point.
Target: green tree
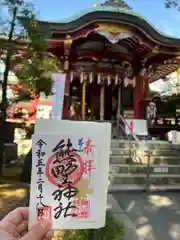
<point x="13" y="8"/>
<point x="34" y="71"/>
<point x="172" y="3"/>
<point x="33" y="63"/>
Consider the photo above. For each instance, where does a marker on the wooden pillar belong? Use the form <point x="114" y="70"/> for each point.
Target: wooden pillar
<point x="66" y="104"/>
<point x="102" y="98"/>
<point x="146" y="90"/>
<point x="119" y="105"/>
<point x="138" y="96"/>
<point x="122" y="97"/>
<point x="83" y="103"/>
<point x="145" y="87"/>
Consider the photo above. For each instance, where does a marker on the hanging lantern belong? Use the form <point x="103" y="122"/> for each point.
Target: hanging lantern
<point x="143" y="72"/>
<point x="85" y="77"/>
<point x="91" y="77"/>
<point x="109" y="79"/>
<point x="150" y="70"/>
<point x="71" y="76"/>
<point x="81" y="77"/>
<point x="134" y="81"/>
<point x="128" y="81"/>
<point x="99" y="78"/>
<point x="116" y="79"/>
<point x="66" y="65"/>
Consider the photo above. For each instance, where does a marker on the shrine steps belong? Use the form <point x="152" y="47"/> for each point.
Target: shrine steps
<point x="151" y="143"/>
<point x="128" y="174"/>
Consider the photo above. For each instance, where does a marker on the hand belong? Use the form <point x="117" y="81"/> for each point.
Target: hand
<point x="15" y="226"/>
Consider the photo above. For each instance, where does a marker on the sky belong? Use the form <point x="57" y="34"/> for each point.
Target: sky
<point x="165" y="20"/>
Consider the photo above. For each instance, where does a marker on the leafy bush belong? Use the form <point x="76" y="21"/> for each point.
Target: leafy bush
<point x="112" y="230"/>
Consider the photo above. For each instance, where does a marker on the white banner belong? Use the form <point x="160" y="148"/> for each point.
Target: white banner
<point x="174" y="137"/>
<point x="136" y="126"/>
<point x="58" y="97"/>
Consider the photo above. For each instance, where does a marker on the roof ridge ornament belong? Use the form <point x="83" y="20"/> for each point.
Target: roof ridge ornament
<point x="116" y="3"/>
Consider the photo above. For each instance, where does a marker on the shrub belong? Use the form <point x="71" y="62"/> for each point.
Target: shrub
<point x="112" y="230"/>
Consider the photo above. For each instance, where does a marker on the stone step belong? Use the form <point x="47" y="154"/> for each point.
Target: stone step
<point x="126" y="174"/>
<point x="114" y="159"/>
<point x="154" y="169"/>
<point x="142" y="179"/>
<point x="119" y="160"/>
<point x="155" y="152"/>
<point x="144" y="175"/>
<point x="120" y="151"/>
<point x="142" y="187"/>
<point x="131" y="174"/>
<point x="150" y="144"/>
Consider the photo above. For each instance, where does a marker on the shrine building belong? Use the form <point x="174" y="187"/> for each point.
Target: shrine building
<point x="110" y="55"/>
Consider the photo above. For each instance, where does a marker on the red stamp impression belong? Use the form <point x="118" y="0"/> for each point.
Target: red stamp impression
<point x="82" y="208"/>
<point x="64" y="170"/>
<point x="44" y="213"/>
<point x="89" y="166"/>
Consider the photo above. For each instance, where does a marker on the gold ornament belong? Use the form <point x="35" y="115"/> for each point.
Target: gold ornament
<point x="83" y="188"/>
<point x="113" y="28"/>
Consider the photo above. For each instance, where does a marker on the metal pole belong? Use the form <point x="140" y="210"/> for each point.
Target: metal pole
<point x="148" y="154"/>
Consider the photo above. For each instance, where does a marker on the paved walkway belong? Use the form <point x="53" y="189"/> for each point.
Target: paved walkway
<point x="155" y="217"/>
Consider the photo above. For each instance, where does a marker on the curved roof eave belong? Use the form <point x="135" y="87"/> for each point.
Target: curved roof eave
<point x="104" y="13"/>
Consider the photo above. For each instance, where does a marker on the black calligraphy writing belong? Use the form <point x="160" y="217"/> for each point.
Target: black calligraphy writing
<point x="64" y="165"/>
<point x="40" y="172"/>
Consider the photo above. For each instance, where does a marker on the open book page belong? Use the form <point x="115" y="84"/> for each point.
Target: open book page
<point x="70" y="174"/>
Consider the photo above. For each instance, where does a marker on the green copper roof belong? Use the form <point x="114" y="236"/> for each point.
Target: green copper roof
<point x="124" y="9"/>
<point x="99" y="8"/>
<point x="116" y="3"/>
<point x="111" y="11"/>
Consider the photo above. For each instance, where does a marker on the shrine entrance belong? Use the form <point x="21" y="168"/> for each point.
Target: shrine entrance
<point x="100" y="102"/>
<point x="110" y="55"/>
<point x="101" y="78"/>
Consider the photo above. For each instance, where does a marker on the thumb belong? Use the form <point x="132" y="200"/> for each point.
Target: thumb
<point x="38" y="231"/>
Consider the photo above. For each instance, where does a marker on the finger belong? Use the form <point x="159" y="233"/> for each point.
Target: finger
<point x="38" y="231"/>
<point x="9" y="227"/>
<point x="49" y="235"/>
<point x="24" y="233"/>
<point x="17" y="216"/>
<point x="23" y="226"/>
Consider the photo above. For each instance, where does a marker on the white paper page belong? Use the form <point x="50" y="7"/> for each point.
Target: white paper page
<point x="102" y="140"/>
<point x="103" y="130"/>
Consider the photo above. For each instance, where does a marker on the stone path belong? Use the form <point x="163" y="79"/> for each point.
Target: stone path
<point x="12" y="195"/>
<point x="155" y="217"/>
